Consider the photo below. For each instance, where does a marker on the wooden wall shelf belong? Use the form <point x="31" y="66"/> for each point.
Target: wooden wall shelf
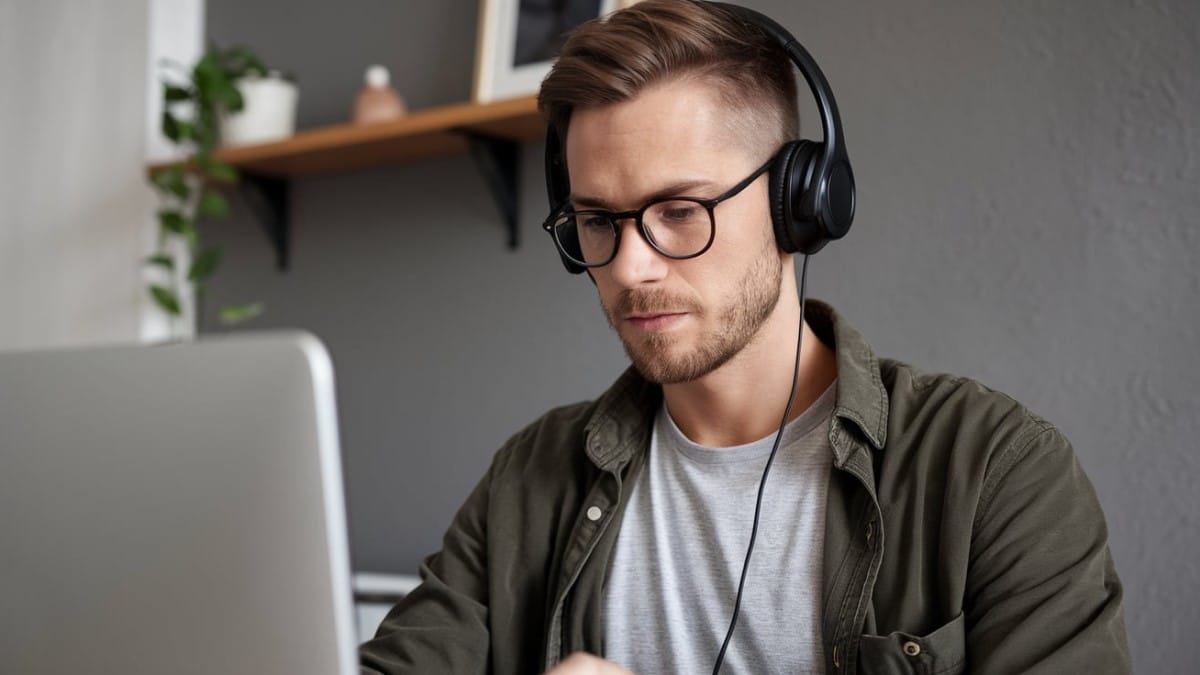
<point x="491" y="132"/>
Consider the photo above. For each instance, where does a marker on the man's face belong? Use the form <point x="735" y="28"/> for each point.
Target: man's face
<point x="678" y="319"/>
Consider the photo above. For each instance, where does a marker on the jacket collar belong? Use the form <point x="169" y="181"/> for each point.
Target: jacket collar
<point x="623" y="415"/>
<point x="620" y="425"/>
<point x="861" y="397"/>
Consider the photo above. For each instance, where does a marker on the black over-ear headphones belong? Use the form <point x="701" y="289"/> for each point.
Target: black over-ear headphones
<point x="812" y="185"/>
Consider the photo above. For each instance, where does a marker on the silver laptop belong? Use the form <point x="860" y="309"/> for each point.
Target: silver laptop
<point x="173" y="509"/>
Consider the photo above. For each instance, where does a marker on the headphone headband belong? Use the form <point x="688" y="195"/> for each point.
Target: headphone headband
<point x="831" y="121"/>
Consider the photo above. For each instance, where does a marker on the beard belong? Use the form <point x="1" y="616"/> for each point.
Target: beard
<point x="739" y="320"/>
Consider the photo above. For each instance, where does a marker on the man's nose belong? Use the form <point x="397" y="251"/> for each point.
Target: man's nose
<point x="636" y="261"/>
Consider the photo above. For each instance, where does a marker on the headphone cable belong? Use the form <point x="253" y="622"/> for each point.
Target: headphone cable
<point x="737" y="604"/>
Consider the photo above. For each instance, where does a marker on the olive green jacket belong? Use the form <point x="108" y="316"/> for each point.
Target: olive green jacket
<point x="961" y="535"/>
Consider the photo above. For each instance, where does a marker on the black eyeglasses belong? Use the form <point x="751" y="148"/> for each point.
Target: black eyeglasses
<point x="677" y="227"/>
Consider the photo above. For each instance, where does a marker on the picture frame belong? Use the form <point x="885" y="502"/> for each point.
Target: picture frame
<point x="517" y="41"/>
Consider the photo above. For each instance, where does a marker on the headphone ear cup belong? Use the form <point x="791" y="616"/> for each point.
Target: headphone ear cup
<point x="778" y="195"/>
<point x="806" y="220"/>
<point x="558" y="189"/>
<point x="796" y="228"/>
<point x="804" y="228"/>
<point x="558" y="182"/>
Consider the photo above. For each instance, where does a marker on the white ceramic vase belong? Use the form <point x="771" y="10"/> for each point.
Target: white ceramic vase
<point x="268" y="114"/>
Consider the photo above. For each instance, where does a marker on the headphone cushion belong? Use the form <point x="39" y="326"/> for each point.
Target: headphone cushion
<point x="790" y="178"/>
<point x="558" y="183"/>
<point x="778" y="194"/>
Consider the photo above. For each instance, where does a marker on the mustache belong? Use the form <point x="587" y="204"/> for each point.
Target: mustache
<point x="654" y="301"/>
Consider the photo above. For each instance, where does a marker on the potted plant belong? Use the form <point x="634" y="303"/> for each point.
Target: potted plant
<point x="194" y="108"/>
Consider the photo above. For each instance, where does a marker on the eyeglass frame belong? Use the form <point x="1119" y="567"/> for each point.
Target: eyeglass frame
<point x="615" y="217"/>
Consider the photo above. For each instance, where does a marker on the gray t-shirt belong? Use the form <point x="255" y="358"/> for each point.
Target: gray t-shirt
<point x="683" y="538"/>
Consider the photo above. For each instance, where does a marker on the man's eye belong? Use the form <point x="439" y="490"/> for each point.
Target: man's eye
<point x="680" y="213"/>
<point x="594" y="222"/>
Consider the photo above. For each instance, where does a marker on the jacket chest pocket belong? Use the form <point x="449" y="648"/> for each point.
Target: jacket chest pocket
<point x="942" y="652"/>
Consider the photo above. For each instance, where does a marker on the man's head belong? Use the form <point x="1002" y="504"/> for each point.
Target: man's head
<point x="676" y="99"/>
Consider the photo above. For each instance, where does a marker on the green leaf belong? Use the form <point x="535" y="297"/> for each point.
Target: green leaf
<point x="204" y="135"/>
<point x="172" y="180"/>
<point x="167" y="176"/>
<point x="173" y="221"/>
<point x="239" y="313"/>
<point x="185" y="130"/>
<point x="170" y="126"/>
<point x="240" y="61"/>
<point x="175" y="129"/>
<point x="166" y="299"/>
<point x="220" y="171"/>
<point x="213" y="204"/>
<point x="173" y="93"/>
<point x="208" y="66"/>
<point x="205" y="265"/>
<point x="230" y="98"/>
<point x="209" y="77"/>
<point x="164" y="261"/>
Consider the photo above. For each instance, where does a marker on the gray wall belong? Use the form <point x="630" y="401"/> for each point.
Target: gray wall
<point x="1028" y="177"/>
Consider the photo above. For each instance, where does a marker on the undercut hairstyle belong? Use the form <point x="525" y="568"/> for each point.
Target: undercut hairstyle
<point x="613" y="59"/>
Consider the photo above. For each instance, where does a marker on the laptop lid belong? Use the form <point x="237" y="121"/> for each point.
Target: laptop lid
<point x="173" y="509"/>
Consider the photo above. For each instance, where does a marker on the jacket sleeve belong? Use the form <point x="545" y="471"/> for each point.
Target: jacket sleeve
<point x="442" y="625"/>
<point x="1042" y="592"/>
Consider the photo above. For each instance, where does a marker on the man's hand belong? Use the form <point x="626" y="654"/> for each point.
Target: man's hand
<point x="582" y="663"/>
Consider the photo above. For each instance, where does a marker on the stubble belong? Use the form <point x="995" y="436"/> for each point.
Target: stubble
<point x="657" y="355"/>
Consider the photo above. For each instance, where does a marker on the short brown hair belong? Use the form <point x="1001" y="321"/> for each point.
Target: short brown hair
<point x="611" y="60"/>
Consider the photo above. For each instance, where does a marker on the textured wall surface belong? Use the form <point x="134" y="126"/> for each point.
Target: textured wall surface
<point x="1029" y="184"/>
<point x="74" y="207"/>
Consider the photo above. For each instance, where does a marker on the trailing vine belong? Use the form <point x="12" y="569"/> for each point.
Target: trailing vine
<point x="194" y="189"/>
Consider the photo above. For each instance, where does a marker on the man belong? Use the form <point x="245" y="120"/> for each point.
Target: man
<point x="910" y="522"/>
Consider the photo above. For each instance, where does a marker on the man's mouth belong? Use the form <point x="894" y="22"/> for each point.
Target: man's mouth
<point x="654" y="321"/>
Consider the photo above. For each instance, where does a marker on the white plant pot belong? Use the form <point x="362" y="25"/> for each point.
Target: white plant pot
<point x="268" y="114"/>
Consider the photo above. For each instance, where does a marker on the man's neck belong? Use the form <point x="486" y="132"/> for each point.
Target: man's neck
<point x="743" y="400"/>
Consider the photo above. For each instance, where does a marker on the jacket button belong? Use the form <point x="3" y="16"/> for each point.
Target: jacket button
<point x="594" y="513"/>
<point x="911" y="648"/>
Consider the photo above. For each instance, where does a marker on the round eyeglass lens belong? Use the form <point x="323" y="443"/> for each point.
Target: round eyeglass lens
<point x="585" y="237"/>
<point x="679" y="227"/>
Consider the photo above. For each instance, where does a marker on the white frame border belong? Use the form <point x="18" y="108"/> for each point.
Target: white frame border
<point x="495" y="78"/>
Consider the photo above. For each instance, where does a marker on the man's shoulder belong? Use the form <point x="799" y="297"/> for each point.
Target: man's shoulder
<point x="569" y="418"/>
<point x="960" y="415"/>
<point x="909" y="385"/>
<point x="554" y="438"/>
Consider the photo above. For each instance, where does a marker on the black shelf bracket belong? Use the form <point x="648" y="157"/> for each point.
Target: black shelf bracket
<point x="268" y="198"/>
<point x="499" y="160"/>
